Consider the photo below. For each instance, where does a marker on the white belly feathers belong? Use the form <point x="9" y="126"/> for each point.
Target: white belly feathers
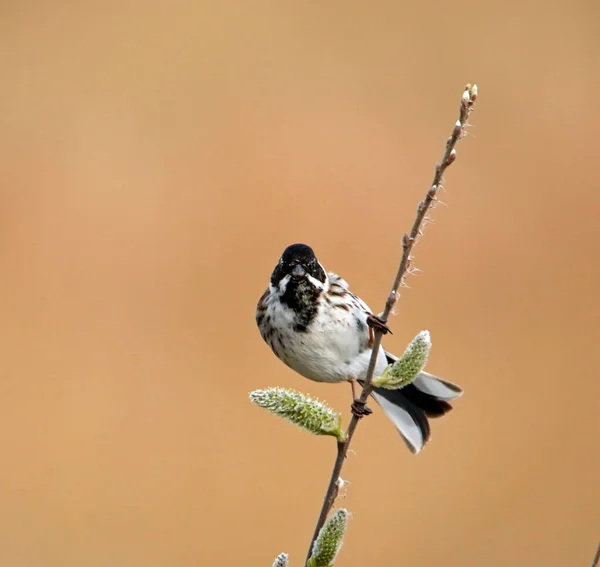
<point x="334" y="348"/>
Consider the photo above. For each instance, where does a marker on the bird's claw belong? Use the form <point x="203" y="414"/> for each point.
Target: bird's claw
<point x="359" y="409"/>
<point x="376" y="322"/>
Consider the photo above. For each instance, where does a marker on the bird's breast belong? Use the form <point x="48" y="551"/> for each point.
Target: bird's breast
<point x="333" y="348"/>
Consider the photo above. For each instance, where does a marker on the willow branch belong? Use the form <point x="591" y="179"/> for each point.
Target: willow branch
<point x="596" y="557"/>
<point x="467" y="102"/>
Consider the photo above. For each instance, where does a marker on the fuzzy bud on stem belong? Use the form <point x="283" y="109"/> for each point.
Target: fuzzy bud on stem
<point x="301" y="410"/>
<point x="281" y="560"/>
<point x="330" y="539"/>
<point x="408" y="366"/>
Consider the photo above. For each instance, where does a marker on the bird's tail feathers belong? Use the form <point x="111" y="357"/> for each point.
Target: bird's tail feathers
<point x="410" y="407"/>
<point x="410" y="420"/>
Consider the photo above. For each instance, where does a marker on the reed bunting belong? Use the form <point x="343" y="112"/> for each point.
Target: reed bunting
<point x="319" y="328"/>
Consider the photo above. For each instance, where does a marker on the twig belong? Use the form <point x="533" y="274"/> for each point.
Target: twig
<point x="468" y="99"/>
<point x="596" y="557"/>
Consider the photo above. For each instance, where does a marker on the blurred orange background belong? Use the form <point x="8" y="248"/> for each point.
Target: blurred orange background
<point x="156" y="159"/>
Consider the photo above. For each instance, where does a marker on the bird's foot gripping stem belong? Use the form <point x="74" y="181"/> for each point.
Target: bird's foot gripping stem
<point x="359" y="409"/>
<point x="376" y="322"/>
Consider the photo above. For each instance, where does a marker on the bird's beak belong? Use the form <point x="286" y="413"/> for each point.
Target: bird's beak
<point x="298" y="271"/>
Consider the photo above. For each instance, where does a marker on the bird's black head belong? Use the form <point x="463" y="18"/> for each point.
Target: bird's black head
<point x="299" y="280"/>
<point x="298" y="261"/>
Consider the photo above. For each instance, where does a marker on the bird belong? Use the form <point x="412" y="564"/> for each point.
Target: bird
<point x="323" y="331"/>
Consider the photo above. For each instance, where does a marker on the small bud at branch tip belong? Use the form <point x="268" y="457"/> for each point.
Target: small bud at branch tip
<point x="281" y="560"/>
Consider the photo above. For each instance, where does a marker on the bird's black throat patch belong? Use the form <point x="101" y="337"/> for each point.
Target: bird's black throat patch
<point x="302" y="298"/>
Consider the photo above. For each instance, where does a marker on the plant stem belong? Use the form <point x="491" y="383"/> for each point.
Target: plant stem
<point x="596" y="557"/>
<point x="408" y="240"/>
<point x="332" y="491"/>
